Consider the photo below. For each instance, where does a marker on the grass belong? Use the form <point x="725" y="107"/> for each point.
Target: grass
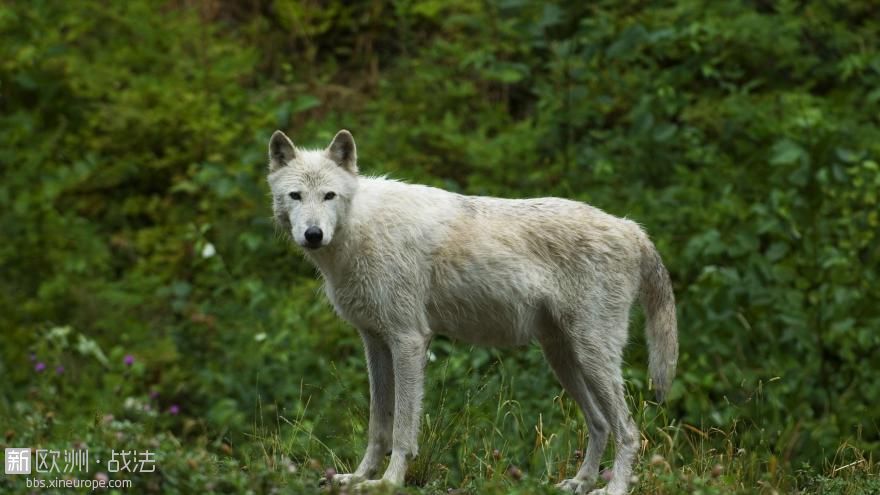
<point x="491" y="446"/>
<point x="491" y="439"/>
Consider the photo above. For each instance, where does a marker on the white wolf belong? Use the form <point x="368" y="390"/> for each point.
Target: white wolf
<point x="404" y="262"/>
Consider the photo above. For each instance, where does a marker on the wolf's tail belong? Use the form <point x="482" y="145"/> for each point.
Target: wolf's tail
<point x="661" y="329"/>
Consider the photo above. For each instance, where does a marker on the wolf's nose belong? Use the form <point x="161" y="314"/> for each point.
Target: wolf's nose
<point x="314" y="235"/>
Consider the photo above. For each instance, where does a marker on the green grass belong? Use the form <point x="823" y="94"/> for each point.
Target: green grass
<point x="488" y="439"/>
<point x="470" y="451"/>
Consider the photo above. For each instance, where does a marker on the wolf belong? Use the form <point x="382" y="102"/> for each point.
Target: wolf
<point x="404" y="262"/>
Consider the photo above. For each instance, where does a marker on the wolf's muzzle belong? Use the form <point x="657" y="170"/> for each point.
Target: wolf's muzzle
<point x="313" y="236"/>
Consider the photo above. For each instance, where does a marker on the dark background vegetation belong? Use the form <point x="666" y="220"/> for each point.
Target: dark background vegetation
<point x="135" y="221"/>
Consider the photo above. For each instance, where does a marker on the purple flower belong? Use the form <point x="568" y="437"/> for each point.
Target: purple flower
<point x="33" y="357"/>
<point x="154" y="395"/>
<point x="39" y="367"/>
<point x="59" y="369"/>
<point x="129" y="360"/>
<point x="174" y="410"/>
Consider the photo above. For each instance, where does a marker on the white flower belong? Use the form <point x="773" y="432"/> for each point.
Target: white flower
<point x="208" y="250"/>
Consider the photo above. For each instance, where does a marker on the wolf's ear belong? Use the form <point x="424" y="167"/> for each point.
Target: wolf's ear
<point x="343" y="151"/>
<point x="281" y="151"/>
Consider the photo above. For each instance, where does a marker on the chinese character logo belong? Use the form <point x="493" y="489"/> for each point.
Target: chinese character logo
<point x="132" y="462"/>
<point x="18" y="461"/>
<point x="76" y="459"/>
<point x="47" y="461"/>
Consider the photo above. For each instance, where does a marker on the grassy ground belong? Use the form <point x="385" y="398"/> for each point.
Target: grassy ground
<point x="493" y="444"/>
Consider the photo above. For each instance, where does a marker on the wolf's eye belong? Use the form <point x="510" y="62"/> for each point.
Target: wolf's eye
<point x="330" y="195"/>
<point x="295" y="196"/>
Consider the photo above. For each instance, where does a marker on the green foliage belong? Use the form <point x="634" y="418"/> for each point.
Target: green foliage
<point x="743" y="135"/>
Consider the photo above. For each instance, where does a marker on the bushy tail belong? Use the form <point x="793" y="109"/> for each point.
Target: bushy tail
<point x="661" y="329"/>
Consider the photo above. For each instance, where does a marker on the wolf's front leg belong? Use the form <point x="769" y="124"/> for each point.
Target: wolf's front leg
<point x="408" y="354"/>
<point x="381" y="375"/>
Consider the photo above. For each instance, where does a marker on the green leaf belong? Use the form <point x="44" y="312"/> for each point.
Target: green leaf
<point x="786" y="152"/>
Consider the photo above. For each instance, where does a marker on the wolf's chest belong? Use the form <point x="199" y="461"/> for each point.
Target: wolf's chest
<point x="355" y="303"/>
<point x="374" y="300"/>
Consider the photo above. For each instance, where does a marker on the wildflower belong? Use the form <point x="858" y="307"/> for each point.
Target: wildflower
<point x="39" y="367"/>
<point x="59" y="369"/>
<point x="607" y="474"/>
<point x="514" y="472"/>
<point x="174" y="410"/>
<point x="329" y="473"/>
<point x="128" y="360"/>
<point x="209" y="250"/>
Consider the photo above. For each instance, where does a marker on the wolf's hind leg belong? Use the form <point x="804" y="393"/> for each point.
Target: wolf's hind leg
<point x="561" y="356"/>
<point x="601" y="359"/>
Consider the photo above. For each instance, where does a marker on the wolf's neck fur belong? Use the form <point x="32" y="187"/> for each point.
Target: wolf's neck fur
<point x="383" y="213"/>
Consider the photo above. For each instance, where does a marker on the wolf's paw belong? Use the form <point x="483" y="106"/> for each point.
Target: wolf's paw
<point x="369" y="486"/>
<point x="606" y="491"/>
<point x="576" y="486"/>
<point x="346" y="479"/>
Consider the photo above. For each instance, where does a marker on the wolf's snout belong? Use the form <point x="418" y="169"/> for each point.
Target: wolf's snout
<point x="313" y="236"/>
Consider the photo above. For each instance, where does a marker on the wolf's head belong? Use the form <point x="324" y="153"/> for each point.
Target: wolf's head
<point x="312" y="189"/>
